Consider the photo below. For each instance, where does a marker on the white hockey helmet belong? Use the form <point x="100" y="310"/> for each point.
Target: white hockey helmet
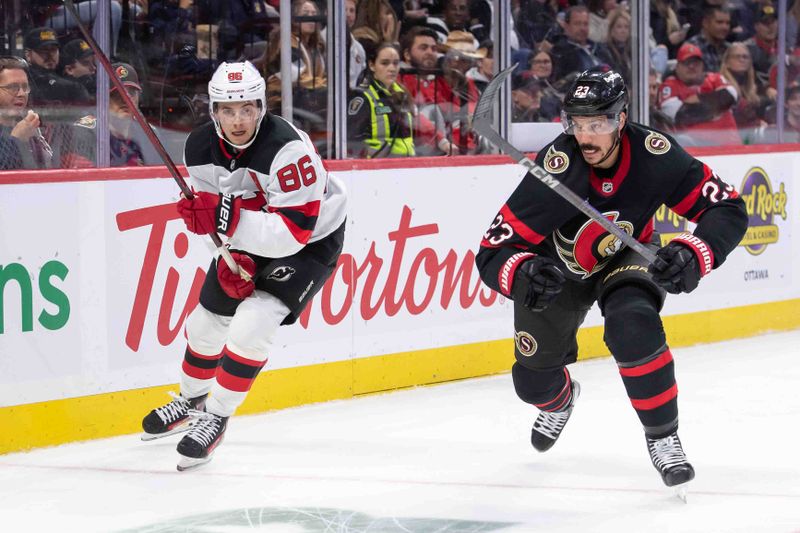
<point x="237" y="82"/>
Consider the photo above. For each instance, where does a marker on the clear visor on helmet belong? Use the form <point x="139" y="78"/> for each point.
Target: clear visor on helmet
<point x="591" y="125"/>
<point x="248" y="113"/>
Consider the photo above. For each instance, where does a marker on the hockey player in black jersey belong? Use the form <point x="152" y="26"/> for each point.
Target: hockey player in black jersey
<point x="258" y="181"/>
<point x="555" y="263"/>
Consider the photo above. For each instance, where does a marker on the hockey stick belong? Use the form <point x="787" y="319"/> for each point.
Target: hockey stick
<point x="151" y="135"/>
<point x="482" y="123"/>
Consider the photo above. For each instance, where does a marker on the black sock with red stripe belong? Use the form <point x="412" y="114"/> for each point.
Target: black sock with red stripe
<point x="651" y="386"/>
<point x="548" y="390"/>
<point x="635" y="335"/>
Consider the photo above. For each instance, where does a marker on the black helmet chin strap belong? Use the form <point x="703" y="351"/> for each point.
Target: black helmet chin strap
<point x="610" y="150"/>
<point x="613" y="147"/>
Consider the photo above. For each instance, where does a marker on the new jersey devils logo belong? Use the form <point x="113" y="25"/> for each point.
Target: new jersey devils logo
<point x="592" y="247"/>
<point x="281" y="273"/>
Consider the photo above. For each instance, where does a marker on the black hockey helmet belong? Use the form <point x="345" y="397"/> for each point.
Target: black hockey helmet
<point x="597" y="91"/>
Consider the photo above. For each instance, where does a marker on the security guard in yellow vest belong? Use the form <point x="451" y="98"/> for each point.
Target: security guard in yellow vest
<point x="380" y="115"/>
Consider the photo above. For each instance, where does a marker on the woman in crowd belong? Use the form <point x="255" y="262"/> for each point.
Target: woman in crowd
<point x="540" y="72"/>
<point x="379" y="16"/>
<point x="618" y="43"/>
<point x="599" y="10"/>
<point x="309" y="77"/>
<point x="381" y="114"/>
<point x="667" y="30"/>
<point x="737" y="69"/>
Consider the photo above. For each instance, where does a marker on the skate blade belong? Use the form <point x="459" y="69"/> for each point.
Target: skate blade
<point x="188" y="463"/>
<point x="681" y="492"/>
<point x="146" y="437"/>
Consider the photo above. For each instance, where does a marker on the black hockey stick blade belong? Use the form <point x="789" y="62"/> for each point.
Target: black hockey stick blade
<point x="482" y="123"/>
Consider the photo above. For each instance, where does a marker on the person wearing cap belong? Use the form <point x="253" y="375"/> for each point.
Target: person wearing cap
<point x="763" y="44"/>
<point x="125" y="148"/>
<point x="21" y="142"/>
<point x="700" y="103"/>
<point x="47" y="87"/>
<point x="78" y="64"/>
<point x="712" y="39"/>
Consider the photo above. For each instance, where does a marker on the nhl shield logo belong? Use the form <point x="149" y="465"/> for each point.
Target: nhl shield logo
<point x="281" y="273"/>
<point x="657" y="144"/>
<point x="608" y="187"/>
<point x="555" y="162"/>
<point x="525" y="343"/>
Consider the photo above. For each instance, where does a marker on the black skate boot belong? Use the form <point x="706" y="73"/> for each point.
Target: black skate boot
<point x="171" y="418"/>
<point x="549" y="425"/>
<point x="197" y="446"/>
<point x="670" y="461"/>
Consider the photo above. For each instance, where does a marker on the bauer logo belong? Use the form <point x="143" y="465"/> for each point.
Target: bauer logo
<point x="764" y="204"/>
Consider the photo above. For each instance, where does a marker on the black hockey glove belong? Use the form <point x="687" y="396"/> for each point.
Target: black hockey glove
<point x="537" y="282"/>
<point x="678" y="268"/>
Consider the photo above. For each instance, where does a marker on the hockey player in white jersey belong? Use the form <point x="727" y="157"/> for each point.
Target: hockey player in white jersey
<point x="259" y="182"/>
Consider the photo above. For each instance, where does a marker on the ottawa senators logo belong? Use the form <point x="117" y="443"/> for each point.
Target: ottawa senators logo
<point x="281" y="273"/>
<point x="592" y="247"/>
<point x="555" y="162"/>
<point x="657" y="144"/>
<point x="525" y="343"/>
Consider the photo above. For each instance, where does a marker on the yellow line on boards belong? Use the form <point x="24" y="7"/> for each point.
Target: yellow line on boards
<point x="118" y="413"/>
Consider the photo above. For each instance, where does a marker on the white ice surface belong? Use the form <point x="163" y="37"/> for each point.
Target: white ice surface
<point x="453" y="457"/>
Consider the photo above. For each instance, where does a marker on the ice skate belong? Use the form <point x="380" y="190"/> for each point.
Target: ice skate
<point x="670" y="461"/>
<point x="197" y="446"/>
<point x="549" y="425"/>
<point x="171" y="418"/>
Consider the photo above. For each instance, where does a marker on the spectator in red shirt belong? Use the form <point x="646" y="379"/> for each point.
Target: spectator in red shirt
<point x="700" y="103"/>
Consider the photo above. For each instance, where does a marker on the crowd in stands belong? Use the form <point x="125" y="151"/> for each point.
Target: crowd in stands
<point x="415" y="69"/>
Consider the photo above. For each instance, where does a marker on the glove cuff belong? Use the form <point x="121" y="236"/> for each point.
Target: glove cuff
<point x="505" y="277"/>
<point x="701" y="249"/>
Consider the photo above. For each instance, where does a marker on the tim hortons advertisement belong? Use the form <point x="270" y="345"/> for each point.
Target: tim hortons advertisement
<point x="98" y="277"/>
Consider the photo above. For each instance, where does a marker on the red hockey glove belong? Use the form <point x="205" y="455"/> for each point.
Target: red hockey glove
<point x="537" y="282"/>
<point x="682" y="263"/>
<point x="208" y="213"/>
<point x="231" y="282"/>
